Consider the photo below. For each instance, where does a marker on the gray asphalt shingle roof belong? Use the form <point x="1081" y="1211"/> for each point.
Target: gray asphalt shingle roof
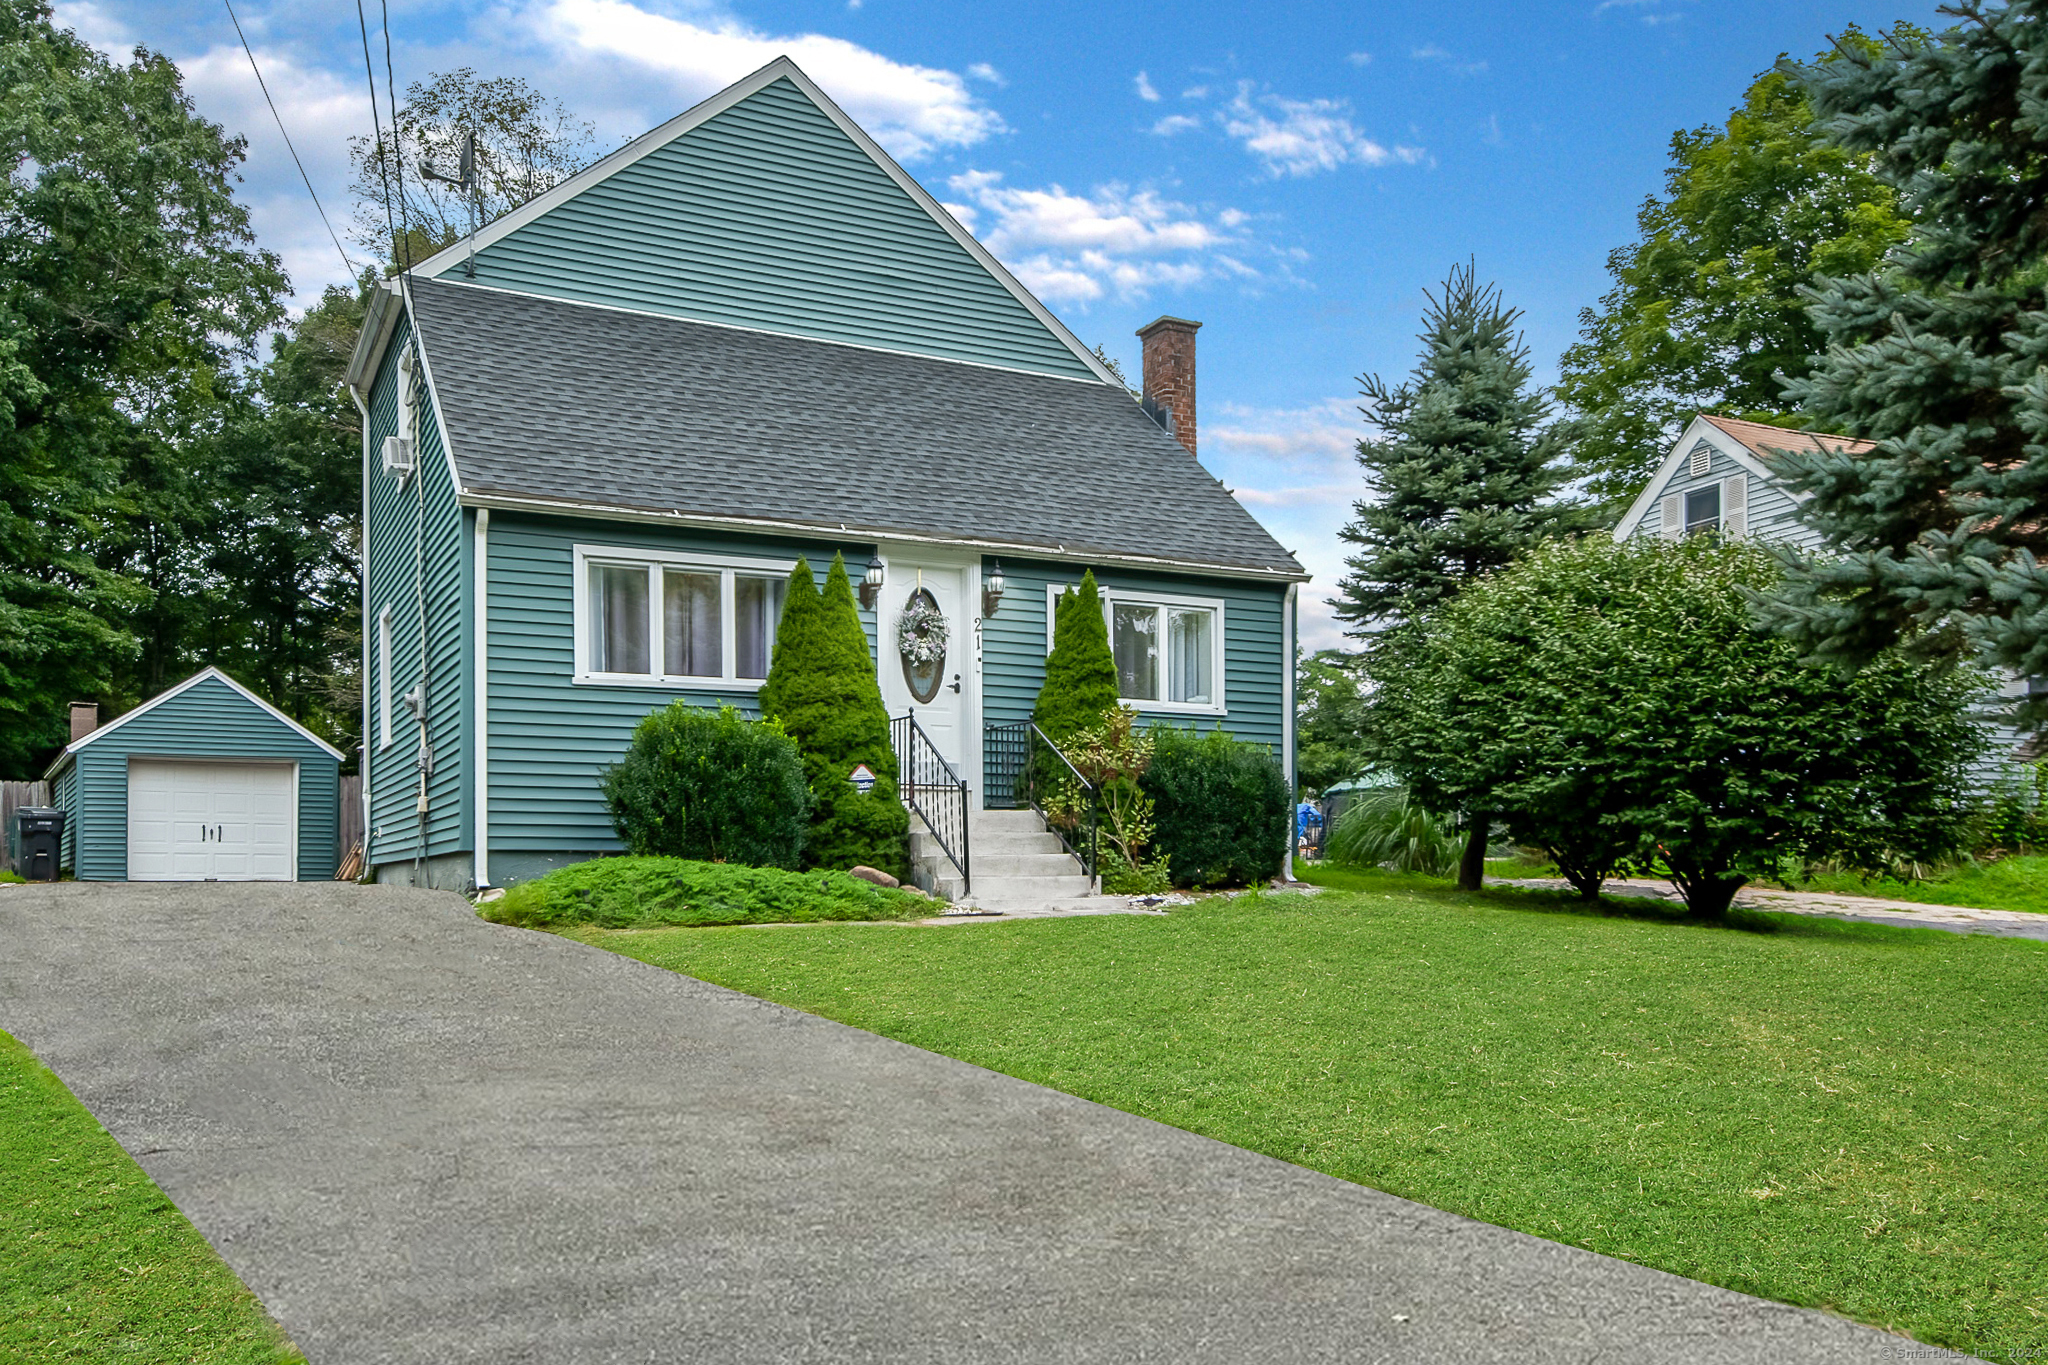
<point x="550" y="399"/>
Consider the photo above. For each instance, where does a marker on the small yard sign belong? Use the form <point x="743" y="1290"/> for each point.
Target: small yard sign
<point x="862" y="777"/>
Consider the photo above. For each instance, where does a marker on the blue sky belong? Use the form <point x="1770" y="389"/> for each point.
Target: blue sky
<point x="1292" y="175"/>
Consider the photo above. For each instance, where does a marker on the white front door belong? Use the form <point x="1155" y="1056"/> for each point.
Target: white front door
<point x="196" y="822"/>
<point x="940" y="696"/>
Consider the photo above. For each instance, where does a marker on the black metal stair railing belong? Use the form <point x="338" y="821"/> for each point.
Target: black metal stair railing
<point x="1022" y="769"/>
<point x="932" y="790"/>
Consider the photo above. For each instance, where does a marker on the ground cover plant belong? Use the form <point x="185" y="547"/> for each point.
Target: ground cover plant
<point x="99" y="1265"/>
<point x="2019" y="883"/>
<point x="1844" y="1116"/>
<point x="617" y="893"/>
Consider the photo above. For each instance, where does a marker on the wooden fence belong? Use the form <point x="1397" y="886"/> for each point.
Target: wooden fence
<point x="351" y="813"/>
<point x="13" y="796"/>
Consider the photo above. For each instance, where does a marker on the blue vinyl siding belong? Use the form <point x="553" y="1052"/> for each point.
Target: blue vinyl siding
<point x="767" y="215"/>
<point x="64" y="796"/>
<point x="418" y="540"/>
<point x="209" y="720"/>
<point x="1255" y="648"/>
<point x="551" y="737"/>
<point x="1773" y="513"/>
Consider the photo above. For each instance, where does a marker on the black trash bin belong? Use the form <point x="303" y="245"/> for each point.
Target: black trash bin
<point x="39" y="842"/>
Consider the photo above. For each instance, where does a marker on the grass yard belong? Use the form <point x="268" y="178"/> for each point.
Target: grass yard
<point x="98" y="1264"/>
<point x="2009" y="884"/>
<point x="1839" y="1115"/>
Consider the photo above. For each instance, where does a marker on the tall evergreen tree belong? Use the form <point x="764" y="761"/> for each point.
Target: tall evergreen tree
<point x="1705" y="311"/>
<point x="1937" y="536"/>
<point x="821" y="685"/>
<point x="1080" y="673"/>
<point x="1464" y="476"/>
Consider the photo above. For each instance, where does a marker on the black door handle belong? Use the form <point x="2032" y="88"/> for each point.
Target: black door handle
<point x="956" y="682"/>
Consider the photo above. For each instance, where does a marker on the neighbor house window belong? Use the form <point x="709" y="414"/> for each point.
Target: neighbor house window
<point x="675" y="618"/>
<point x="1703" y="509"/>
<point x="1168" y="650"/>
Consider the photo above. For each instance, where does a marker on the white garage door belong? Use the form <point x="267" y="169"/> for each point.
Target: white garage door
<point x="196" y="822"/>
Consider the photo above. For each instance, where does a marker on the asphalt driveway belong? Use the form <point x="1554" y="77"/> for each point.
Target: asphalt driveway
<point x="423" y="1138"/>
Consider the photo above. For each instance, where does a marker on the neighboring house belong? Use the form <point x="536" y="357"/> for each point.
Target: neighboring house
<point x="1717" y="477"/>
<point x="204" y="782"/>
<point x="597" y="438"/>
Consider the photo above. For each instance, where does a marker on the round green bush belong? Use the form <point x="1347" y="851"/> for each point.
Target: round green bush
<point x="1222" y="812"/>
<point x="710" y="785"/>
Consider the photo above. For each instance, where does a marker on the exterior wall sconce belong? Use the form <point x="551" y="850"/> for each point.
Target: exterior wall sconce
<point x="992" y="589"/>
<point x="871" y="582"/>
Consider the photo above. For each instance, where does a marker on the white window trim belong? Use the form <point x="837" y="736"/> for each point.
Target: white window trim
<point x="728" y="567"/>
<point x="384" y="678"/>
<point x="1219" y="654"/>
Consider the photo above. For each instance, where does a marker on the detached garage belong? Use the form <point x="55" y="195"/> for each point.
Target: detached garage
<point x="204" y="782"/>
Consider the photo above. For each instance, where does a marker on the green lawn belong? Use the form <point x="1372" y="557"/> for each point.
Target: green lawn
<point x="2008" y="884"/>
<point x="1839" y="1115"/>
<point x="98" y="1264"/>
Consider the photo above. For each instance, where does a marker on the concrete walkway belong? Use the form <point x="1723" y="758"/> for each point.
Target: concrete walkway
<point x="423" y="1138"/>
<point x="1956" y="919"/>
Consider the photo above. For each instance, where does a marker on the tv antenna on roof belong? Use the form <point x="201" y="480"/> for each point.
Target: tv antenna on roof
<point x="464" y="179"/>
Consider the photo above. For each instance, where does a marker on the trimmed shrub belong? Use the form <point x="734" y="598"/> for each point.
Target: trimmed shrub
<point x="1080" y="674"/>
<point x="627" y="893"/>
<point x="1222" y="812"/>
<point x="821" y="686"/>
<point x="711" y="785"/>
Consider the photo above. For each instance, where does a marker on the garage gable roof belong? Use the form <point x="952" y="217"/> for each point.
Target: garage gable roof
<point x="172" y="692"/>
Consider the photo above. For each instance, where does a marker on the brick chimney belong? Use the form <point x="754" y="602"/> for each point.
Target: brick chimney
<point x="85" y="718"/>
<point x="1170" y="372"/>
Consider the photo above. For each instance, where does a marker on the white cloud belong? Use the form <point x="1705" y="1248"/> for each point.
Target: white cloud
<point x="1075" y="248"/>
<point x="1176" y="123"/>
<point x="95" y="25"/>
<point x="911" y="110"/>
<point x="1146" y="90"/>
<point x="1302" y="137"/>
<point x="982" y="71"/>
<point x="1432" y="53"/>
<point x="1360" y="59"/>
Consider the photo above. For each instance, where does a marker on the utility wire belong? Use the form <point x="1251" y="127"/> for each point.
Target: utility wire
<point x="377" y="127"/>
<point x="397" y="149"/>
<point x="347" y="264"/>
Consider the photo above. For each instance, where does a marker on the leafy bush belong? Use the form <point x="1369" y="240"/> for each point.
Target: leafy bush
<point x="1113" y="757"/>
<point x="2015" y="818"/>
<point x="1616" y="705"/>
<point x="821" y="686"/>
<point x="1222" y="811"/>
<point x="710" y="785"/>
<point x="625" y="893"/>
<point x="1388" y="828"/>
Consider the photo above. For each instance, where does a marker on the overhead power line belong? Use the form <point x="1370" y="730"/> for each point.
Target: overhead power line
<point x="264" y="86"/>
<point x="377" y="128"/>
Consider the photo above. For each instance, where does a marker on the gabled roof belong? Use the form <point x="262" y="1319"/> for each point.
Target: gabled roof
<point x="1749" y="444"/>
<point x="563" y="406"/>
<point x="169" y="694"/>
<point x="781" y="69"/>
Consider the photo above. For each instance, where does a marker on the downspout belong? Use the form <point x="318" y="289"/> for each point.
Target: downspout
<point x="363" y="749"/>
<point x="482" y="871"/>
<point x="1287" y="725"/>
<point x="419" y="584"/>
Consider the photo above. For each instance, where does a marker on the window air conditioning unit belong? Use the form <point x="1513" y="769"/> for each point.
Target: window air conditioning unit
<point x="398" y="456"/>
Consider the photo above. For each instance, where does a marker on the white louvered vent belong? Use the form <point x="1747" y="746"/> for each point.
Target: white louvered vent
<point x="1735" y="506"/>
<point x="398" y="456"/>
<point x="1702" y="460"/>
<point x="1670" y="517"/>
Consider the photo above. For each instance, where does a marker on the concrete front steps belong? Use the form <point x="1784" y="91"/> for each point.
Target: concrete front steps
<point x="1018" y="865"/>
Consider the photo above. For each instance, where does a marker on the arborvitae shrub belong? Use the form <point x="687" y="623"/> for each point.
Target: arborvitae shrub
<point x="710" y="785"/>
<point x="1222" y="813"/>
<point x="822" y="688"/>
<point x="1080" y="674"/>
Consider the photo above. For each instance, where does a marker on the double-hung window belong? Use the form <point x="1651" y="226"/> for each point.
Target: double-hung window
<point x="1168" y="649"/>
<point x="675" y="619"/>
<point x="1703" y="509"/>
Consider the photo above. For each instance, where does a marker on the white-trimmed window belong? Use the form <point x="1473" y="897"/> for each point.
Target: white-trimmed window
<point x="677" y="620"/>
<point x="384" y="678"/>
<point x="1168" y="649"/>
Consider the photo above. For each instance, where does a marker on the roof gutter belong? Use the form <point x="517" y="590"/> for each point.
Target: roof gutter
<point x="1058" y="554"/>
<point x="378" y="323"/>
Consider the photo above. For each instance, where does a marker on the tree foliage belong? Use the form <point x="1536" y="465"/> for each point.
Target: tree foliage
<point x="822" y="688"/>
<point x="1463" y="475"/>
<point x="1080" y="688"/>
<point x="1705" y="312"/>
<point x="710" y="785"/>
<point x="526" y="144"/>
<point x="130" y="285"/>
<point x="1617" y="706"/>
<point x="1329" y="720"/>
<point x="1936" y="537"/>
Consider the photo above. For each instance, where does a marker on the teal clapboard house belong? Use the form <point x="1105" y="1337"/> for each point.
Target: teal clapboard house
<point x="598" y="436"/>
<point x="203" y="782"/>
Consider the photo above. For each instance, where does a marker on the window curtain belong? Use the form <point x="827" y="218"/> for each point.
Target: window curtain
<point x="690" y="625"/>
<point x="1190" y="655"/>
<point x="1136" y="646"/>
<point x="620" y="620"/>
<point x="757" y="608"/>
